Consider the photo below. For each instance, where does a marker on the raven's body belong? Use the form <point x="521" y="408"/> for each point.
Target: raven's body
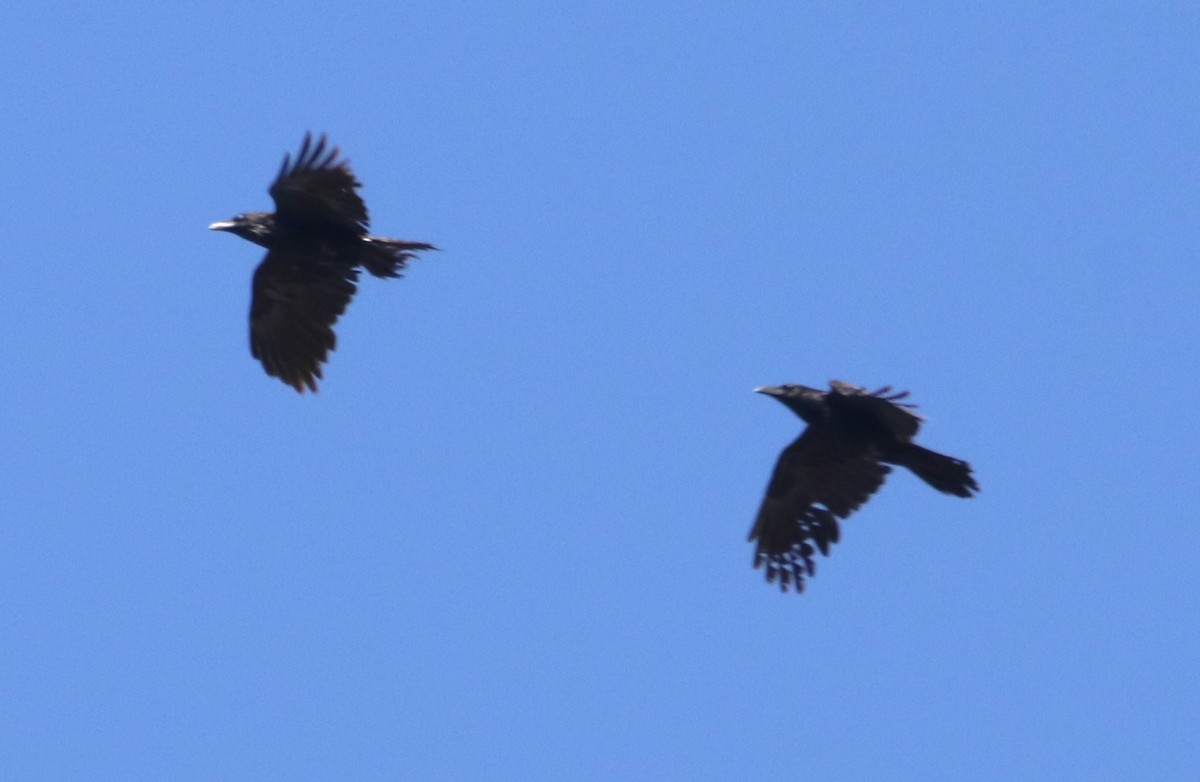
<point x="316" y="242"/>
<point x="834" y="466"/>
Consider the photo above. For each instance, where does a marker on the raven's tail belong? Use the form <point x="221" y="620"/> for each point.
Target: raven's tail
<point x="944" y="473"/>
<point x="387" y="257"/>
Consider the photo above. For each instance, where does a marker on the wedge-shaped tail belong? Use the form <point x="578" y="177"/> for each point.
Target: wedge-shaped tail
<point x="944" y="473"/>
<point x="387" y="257"/>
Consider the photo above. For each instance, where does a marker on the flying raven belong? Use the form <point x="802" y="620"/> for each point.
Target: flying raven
<point x="834" y="466"/>
<point x="316" y="241"/>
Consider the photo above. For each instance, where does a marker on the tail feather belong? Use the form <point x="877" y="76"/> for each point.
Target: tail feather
<point x="388" y="257"/>
<point x="944" y="473"/>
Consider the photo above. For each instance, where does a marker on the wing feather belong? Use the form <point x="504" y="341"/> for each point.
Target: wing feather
<point x="817" y="480"/>
<point x="881" y="405"/>
<point x="318" y="189"/>
<point x="294" y="304"/>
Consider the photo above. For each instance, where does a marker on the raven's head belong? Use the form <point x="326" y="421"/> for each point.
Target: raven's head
<point x="808" y="403"/>
<point x="257" y="227"/>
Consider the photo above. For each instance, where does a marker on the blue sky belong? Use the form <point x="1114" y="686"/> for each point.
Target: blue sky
<point x="507" y="538"/>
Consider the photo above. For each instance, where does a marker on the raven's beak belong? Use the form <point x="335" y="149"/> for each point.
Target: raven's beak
<point x="769" y="390"/>
<point x="224" y="225"/>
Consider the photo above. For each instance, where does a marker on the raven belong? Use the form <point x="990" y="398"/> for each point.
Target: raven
<point x="834" y="466"/>
<point x="316" y="241"/>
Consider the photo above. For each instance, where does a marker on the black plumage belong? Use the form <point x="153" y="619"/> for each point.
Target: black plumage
<point x="316" y="241"/>
<point x="838" y="461"/>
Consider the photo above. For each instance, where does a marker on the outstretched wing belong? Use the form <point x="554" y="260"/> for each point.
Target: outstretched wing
<point x="318" y="189"/>
<point x="817" y="480"/>
<point x="882" y="405"/>
<point x="293" y="306"/>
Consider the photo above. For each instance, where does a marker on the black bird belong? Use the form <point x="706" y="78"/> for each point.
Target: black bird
<point x="834" y="466"/>
<point x="316" y="241"/>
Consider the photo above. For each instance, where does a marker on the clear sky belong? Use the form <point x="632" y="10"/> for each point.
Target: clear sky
<point x="507" y="539"/>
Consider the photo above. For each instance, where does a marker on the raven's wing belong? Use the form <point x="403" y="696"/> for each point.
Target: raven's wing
<point x="880" y="405"/>
<point x="318" y="188"/>
<point x="818" y="479"/>
<point x="293" y="306"/>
